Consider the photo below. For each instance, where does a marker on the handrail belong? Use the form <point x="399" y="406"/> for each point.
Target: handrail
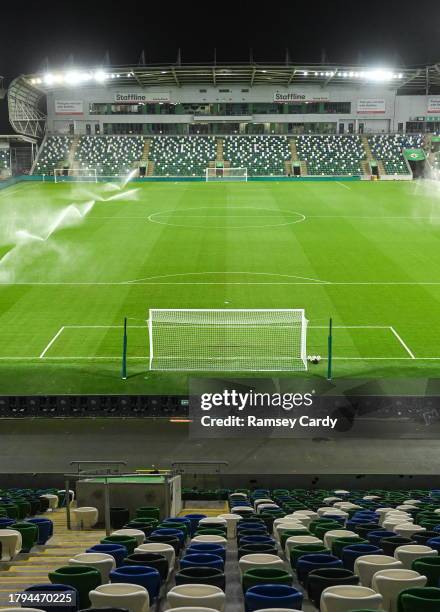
<point x="179" y="466"/>
<point x="95" y="462"/>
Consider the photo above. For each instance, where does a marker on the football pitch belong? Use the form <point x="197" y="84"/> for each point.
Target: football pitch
<point x="77" y="258"/>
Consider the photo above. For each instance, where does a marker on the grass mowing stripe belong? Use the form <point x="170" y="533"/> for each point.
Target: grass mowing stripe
<point x="382" y="273"/>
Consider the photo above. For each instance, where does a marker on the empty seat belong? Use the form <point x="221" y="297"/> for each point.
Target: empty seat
<point x="211" y="538"/>
<point x="131" y="596"/>
<point x="10" y="543"/>
<point x="265" y="575"/>
<point x="409" y="553"/>
<point x="248" y="562"/>
<point x="322" y="578"/>
<point x="103" y="562"/>
<point x="85" y="517"/>
<point x="201" y="575"/>
<point x="345" y="598"/>
<point x="163" y="549"/>
<point x="419" y="600"/>
<point x="366" y="567"/>
<point x="83" y="578"/>
<point x="429" y="567"/>
<point x="390" y="583"/>
<point x="335" y="534"/>
<point x="148" y="577"/>
<point x="117" y="551"/>
<point x="263" y="596"/>
<point x="203" y="595"/>
<point x="150" y="559"/>
<point x="137" y="534"/>
<point x="231" y="522"/>
<point x="119" y="516"/>
<point x="307" y="563"/>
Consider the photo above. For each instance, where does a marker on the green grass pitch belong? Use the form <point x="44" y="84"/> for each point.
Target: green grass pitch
<point x="77" y="258"/>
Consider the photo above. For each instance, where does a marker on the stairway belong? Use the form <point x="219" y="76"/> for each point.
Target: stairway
<point x="365" y="167"/>
<point x="33" y="567"/>
<point x="366" y="146"/>
<point x="72" y="163"/>
<point x="219" y="146"/>
<point x="150" y="168"/>
<point x="293" y="151"/>
<point x="380" y="168"/>
<point x="146" y="150"/>
<point x="288" y="169"/>
<point x="304" y="169"/>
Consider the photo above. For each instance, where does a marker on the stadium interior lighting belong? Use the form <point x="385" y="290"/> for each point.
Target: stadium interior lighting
<point x="380" y="75"/>
<point x="72" y="77"/>
<point x="100" y="76"/>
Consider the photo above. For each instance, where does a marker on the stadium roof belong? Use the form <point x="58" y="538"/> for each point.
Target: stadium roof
<point x="419" y="79"/>
<point x="17" y="138"/>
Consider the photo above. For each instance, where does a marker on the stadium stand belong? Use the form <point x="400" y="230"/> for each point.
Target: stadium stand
<point x="331" y="155"/>
<point x="323" y="155"/>
<point x="4" y="159"/>
<point x="388" y="149"/>
<point x="53" y="154"/>
<point x="182" y="155"/>
<point x="109" y="155"/>
<point x="308" y="549"/>
<point x="261" y="155"/>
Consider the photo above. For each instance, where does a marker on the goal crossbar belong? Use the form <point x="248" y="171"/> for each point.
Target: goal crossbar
<point x="226" y="174"/>
<point x="227" y="340"/>
<point x="89" y="175"/>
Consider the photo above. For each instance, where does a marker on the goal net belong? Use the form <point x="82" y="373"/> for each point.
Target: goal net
<point x="227" y="340"/>
<point x="87" y="175"/>
<point x="226" y="174"/>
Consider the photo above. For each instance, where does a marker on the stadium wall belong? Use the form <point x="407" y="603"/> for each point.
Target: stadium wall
<point x="53" y="443"/>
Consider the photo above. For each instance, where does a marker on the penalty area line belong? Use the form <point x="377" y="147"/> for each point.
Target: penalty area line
<point x="57" y="335"/>
<point x="405" y="346"/>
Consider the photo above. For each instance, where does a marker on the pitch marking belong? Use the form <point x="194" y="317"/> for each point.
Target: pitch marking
<point x="179" y="274"/>
<point x="151" y="218"/>
<point x="57" y="335"/>
<point x="405" y="346"/>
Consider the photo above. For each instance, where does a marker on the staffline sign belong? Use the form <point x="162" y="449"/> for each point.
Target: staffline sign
<point x="142" y="98"/>
<point x="285" y="97"/>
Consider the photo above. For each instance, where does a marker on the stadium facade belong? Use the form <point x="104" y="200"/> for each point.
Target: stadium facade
<point x="229" y="99"/>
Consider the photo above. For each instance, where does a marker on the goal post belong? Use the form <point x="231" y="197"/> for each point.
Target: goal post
<point x="63" y="175"/>
<point x="227" y="340"/>
<point x="226" y="174"/>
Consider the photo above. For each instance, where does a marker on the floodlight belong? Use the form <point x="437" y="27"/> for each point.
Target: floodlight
<point x="100" y="76"/>
<point x="49" y="79"/>
<point x="380" y="75"/>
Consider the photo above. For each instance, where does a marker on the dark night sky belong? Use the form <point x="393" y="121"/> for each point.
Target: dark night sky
<point x="388" y="33"/>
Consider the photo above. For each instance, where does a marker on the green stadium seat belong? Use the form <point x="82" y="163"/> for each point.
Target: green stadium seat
<point x="53" y="154"/>
<point x="331" y="155"/>
<point x="182" y="155"/>
<point x="388" y="148"/>
<point x="261" y="155"/>
<point x="109" y="155"/>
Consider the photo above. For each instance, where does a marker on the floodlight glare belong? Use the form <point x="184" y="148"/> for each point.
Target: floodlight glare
<point x="48" y="79"/>
<point x="100" y="76"/>
<point x="379" y="75"/>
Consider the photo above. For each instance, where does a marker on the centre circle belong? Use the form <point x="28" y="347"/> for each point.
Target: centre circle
<point x="216" y="217"/>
